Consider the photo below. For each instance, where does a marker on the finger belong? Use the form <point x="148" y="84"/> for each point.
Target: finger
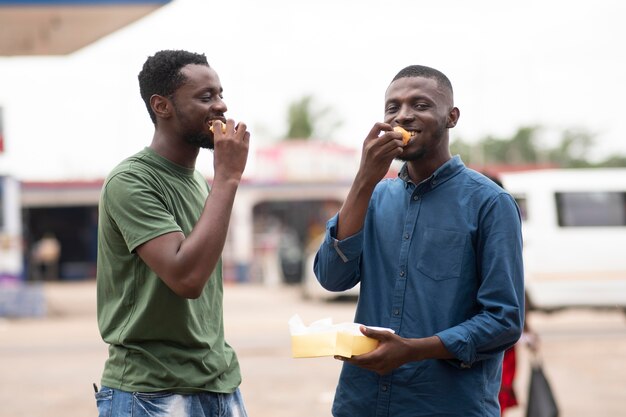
<point x="377" y="129"/>
<point x="241" y="129"/>
<point x="217" y="127"/>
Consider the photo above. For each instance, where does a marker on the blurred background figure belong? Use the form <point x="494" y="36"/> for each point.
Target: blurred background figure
<point x="45" y="256"/>
<point x="507" y="396"/>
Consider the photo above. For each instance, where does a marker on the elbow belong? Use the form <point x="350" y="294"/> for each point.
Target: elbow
<point x="190" y="293"/>
<point x="189" y="287"/>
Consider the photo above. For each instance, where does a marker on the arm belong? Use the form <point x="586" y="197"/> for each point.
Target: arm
<point x="376" y="156"/>
<point x="336" y="263"/>
<point x="498" y="323"/>
<point x="186" y="263"/>
<point x="394" y="351"/>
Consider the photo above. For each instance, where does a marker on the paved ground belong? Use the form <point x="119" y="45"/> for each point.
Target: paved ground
<point x="47" y="365"/>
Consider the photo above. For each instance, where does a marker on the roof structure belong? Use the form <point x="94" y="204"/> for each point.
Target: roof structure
<point x="60" y="27"/>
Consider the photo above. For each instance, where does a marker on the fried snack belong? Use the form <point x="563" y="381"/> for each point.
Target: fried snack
<point x="223" y="128"/>
<point x="405" y="134"/>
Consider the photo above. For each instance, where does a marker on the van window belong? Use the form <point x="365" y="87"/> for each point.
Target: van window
<point x="589" y="209"/>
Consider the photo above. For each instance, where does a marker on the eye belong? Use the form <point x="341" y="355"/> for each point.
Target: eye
<point x="391" y="108"/>
<point x="420" y="105"/>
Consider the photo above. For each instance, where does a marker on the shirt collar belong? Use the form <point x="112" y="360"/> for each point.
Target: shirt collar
<point x="446" y="171"/>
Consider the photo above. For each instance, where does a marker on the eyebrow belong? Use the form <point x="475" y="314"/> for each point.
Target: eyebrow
<point x="412" y="98"/>
<point x="212" y="90"/>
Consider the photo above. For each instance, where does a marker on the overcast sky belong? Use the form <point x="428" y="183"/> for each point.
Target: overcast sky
<point x="556" y="63"/>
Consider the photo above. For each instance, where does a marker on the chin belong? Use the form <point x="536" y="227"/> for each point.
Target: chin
<point x="415" y="155"/>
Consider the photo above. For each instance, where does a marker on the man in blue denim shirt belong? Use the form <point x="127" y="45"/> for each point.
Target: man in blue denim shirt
<point x="438" y="254"/>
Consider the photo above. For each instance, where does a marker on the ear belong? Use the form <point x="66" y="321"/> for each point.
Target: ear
<point x="453" y="117"/>
<point x="161" y="106"/>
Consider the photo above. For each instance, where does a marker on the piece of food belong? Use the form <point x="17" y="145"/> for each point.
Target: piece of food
<point x="405" y="134"/>
<point x="223" y="128"/>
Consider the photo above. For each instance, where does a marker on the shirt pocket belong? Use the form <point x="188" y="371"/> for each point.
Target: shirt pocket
<point x="441" y="253"/>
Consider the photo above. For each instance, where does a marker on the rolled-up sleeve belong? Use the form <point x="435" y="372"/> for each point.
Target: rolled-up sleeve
<point x="337" y="262"/>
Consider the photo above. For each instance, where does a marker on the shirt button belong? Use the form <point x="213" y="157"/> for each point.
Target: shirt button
<point x="416" y="197"/>
<point x="384" y="388"/>
<point x="406" y="235"/>
<point x="396" y="312"/>
<point x="401" y="273"/>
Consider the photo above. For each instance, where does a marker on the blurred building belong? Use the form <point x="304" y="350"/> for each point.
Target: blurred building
<point x="296" y="187"/>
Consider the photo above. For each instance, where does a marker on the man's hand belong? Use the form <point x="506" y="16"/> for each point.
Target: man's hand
<point x="381" y="146"/>
<point x="379" y="150"/>
<point x="231" y="144"/>
<point x="394" y="351"/>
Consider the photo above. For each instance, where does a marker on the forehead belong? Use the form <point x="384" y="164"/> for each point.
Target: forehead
<point x="199" y="77"/>
<point x="409" y="87"/>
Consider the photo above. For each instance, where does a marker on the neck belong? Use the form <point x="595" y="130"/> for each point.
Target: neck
<point x="423" y="168"/>
<point x="176" y="150"/>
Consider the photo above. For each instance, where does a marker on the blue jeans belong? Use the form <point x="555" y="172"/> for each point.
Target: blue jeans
<point x="115" y="403"/>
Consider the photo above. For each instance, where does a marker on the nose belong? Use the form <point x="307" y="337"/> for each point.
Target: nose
<point x="405" y="114"/>
<point x="220" y="106"/>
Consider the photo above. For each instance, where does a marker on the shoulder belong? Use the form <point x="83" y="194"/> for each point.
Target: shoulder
<point x="131" y="175"/>
<point x="135" y="168"/>
<point x="387" y="185"/>
<point x="482" y="186"/>
<point x="483" y="193"/>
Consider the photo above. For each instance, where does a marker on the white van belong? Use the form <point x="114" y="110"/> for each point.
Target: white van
<point x="574" y="228"/>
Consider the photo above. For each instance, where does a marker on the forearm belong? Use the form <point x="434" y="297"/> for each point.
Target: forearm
<point x="352" y="213"/>
<point x="185" y="263"/>
<point x="427" y="348"/>
<point x="201" y="250"/>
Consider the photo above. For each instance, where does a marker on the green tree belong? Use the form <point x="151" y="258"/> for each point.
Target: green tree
<point x="572" y="150"/>
<point x="305" y="120"/>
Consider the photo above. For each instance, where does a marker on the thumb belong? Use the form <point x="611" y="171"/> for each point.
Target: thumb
<point x="374" y="334"/>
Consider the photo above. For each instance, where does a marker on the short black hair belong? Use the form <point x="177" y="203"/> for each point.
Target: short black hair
<point x="426" y="72"/>
<point x="161" y="74"/>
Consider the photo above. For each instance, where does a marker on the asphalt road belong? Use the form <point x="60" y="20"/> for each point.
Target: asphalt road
<point x="47" y="365"/>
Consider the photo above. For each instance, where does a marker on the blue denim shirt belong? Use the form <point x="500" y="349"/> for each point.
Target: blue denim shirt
<point x="444" y="258"/>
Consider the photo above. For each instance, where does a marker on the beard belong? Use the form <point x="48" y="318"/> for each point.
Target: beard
<point x="193" y="137"/>
<point x="200" y="139"/>
<point x="413" y="156"/>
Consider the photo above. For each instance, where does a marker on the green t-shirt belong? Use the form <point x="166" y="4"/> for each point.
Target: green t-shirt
<point x="157" y="340"/>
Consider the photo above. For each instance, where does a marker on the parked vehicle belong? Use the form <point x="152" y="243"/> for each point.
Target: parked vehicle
<point x="574" y="228"/>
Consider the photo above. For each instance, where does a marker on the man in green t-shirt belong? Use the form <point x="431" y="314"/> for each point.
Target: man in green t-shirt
<point x="161" y="232"/>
